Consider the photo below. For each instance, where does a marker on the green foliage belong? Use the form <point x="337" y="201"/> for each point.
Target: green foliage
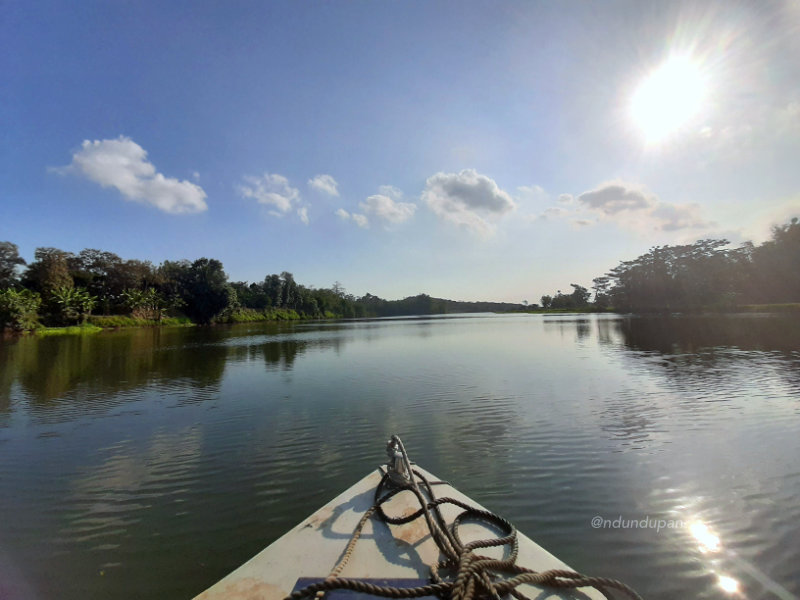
<point x="775" y="276"/>
<point x="48" y="272"/>
<point x="671" y="278"/>
<point x="248" y="315"/>
<point x="204" y="288"/>
<point x="19" y="309"/>
<point x="115" y="321"/>
<point x="73" y="304"/>
<point x="578" y="299"/>
<point x="148" y="304"/>
<point x="709" y="275"/>
<point x="83" y="329"/>
<point x="9" y="261"/>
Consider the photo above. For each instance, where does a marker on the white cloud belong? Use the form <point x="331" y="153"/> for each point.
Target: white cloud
<point x="633" y="207"/>
<point x="611" y="198"/>
<point x="384" y="207"/>
<point x="270" y="189"/>
<point x="303" y="214"/>
<point x="466" y="198"/>
<point x="674" y="217"/>
<point x="324" y="183"/>
<point x="391" y="191"/>
<point x="358" y="219"/>
<point x="122" y="163"/>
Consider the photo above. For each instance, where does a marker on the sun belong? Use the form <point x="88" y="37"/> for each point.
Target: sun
<point x="668" y="98"/>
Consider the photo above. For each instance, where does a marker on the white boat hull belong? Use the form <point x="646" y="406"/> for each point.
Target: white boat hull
<point x="401" y="554"/>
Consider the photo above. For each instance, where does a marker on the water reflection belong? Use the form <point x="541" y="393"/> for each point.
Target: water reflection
<point x="707" y="540"/>
<point x="715" y="349"/>
<point x="93" y="369"/>
<point x="728" y="584"/>
<point x="220" y="439"/>
<point x="687" y="334"/>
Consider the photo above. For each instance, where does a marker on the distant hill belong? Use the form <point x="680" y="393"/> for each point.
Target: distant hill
<point x="423" y="304"/>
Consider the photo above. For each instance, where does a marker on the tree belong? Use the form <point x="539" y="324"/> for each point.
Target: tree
<point x="9" y="261"/>
<point x="776" y="265"/>
<point x="19" y="309"/>
<point x="601" y="287"/>
<point x="49" y="271"/>
<point x="667" y="278"/>
<point x="547" y="301"/>
<point x="74" y="305"/>
<point x="273" y="289"/>
<point x="206" y="289"/>
<point x="288" y="290"/>
<point x="580" y="295"/>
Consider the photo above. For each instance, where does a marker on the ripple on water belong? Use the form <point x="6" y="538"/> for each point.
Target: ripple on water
<point x="190" y="469"/>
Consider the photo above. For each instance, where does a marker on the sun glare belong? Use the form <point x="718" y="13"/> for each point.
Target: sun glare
<point x="708" y="541"/>
<point x="729" y="584"/>
<point x="668" y="98"/>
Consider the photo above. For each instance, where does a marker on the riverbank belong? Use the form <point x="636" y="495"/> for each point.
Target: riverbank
<point x="97" y="323"/>
<point x="788" y="307"/>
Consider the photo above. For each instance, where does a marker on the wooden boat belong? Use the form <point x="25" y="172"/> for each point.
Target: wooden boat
<point x="396" y="555"/>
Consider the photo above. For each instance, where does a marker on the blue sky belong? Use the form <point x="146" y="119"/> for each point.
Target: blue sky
<point x="469" y="150"/>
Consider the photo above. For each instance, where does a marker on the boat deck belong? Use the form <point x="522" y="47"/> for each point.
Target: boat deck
<point x="399" y="554"/>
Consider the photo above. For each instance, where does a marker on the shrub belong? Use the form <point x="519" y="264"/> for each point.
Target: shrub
<point x="19" y="309"/>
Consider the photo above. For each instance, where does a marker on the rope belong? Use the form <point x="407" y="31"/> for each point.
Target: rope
<point x="473" y="577"/>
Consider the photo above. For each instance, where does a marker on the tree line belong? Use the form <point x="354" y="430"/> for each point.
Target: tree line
<point x="61" y="288"/>
<point x="705" y="275"/>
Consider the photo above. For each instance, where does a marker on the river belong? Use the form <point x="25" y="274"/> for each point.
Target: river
<point x="149" y="463"/>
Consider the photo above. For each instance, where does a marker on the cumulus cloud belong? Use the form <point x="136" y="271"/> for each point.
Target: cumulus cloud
<point x="633" y="207"/>
<point x="391" y="191"/>
<point x="121" y="163"/>
<point x="270" y="189"/>
<point x="324" y="183"/>
<point x="303" y="214"/>
<point x="467" y="199"/>
<point x="611" y="198"/>
<point x="358" y="219"/>
<point x="674" y="217"/>
<point x="388" y="208"/>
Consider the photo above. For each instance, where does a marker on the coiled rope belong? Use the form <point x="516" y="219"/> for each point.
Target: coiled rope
<point x="473" y="577"/>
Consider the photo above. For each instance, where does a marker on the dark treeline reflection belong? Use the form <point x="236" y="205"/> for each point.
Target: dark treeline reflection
<point x="99" y="369"/>
<point x="689" y="334"/>
<point x="716" y="348"/>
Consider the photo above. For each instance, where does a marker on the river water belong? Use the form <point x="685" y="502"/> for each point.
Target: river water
<point x="149" y="463"/>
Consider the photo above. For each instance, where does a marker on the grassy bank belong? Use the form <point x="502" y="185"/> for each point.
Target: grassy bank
<point x="117" y="321"/>
<point x="85" y="329"/>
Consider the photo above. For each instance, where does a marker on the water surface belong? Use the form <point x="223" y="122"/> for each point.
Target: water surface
<point x="151" y="463"/>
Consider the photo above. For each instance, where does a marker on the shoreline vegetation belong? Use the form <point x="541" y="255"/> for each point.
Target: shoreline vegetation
<point x="64" y="293"/>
